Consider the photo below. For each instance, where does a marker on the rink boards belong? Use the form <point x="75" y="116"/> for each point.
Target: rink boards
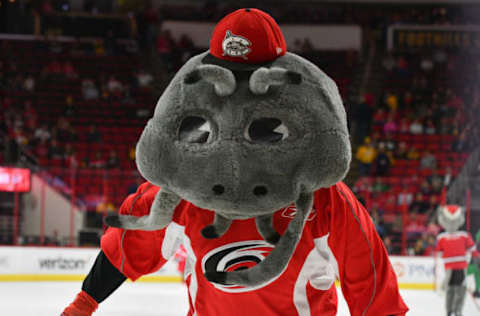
<point x="72" y="264"/>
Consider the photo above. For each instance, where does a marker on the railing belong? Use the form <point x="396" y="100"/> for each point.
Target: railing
<point x="457" y="192"/>
<point x="89" y="194"/>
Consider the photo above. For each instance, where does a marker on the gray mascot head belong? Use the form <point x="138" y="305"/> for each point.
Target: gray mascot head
<point x="244" y="129"/>
<point x="451" y="217"/>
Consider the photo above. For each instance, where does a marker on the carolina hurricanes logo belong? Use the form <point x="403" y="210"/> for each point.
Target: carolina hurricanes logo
<point x="291" y="211"/>
<point x="236" y="256"/>
<point x="235" y="45"/>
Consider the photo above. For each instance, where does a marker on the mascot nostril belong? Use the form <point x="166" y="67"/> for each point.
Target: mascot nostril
<point x="260" y="190"/>
<point x="218" y="189"/>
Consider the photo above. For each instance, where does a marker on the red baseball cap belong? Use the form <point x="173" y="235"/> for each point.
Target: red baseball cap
<point x="247" y="36"/>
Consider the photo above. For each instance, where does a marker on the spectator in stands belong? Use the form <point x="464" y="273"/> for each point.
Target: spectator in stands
<point x="405" y="196"/>
<point x="419" y="205"/>
<point x="30" y="115"/>
<point x="429" y="244"/>
<point x="42" y="149"/>
<point x="115" y="87"/>
<point x="378" y="222"/>
<point x="428" y="161"/>
<point x="444" y="127"/>
<point x="70" y="106"/>
<point x="16" y="83"/>
<point x="404" y="125"/>
<point x="413" y="154"/>
<point x="436" y="183"/>
<point x="113" y="160"/>
<point x="440" y="56"/>
<point x="94" y="135"/>
<point x="144" y="80"/>
<point x="54" y="69"/>
<point x="389" y="62"/>
<point x="98" y="161"/>
<point x="461" y="144"/>
<point x="380" y="117"/>
<point x="415" y="227"/>
<point x="433" y="229"/>
<point x="432" y="206"/>
<point x="387" y="242"/>
<point x="55" y="152"/>
<point x="391" y="101"/>
<point x="99" y="47"/>
<point x="430" y="127"/>
<point x="363" y="113"/>
<point x="64" y="130"/>
<point x="89" y="90"/>
<point x="407" y="100"/>
<point x="131" y="154"/>
<point x="425" y="187"/>
<point x="165" y="45"/>
<point x="71" y="160"/>
<point x="416" y="127"/>
<point x="42" y="133"/>
<point x="20" y="136"/>
<point x="379" y="186"/>
<point x="69" y="70"/>
<point x="29" y="83"/>
<point x="418" y="248"/>
<point x="426" y="64"/>
<point x="186" y="47"/>
<point x="390" y="126"/>
<point x="132" y="188"/>
<point x="401" y="66"/>
<point x="402" y="151"/>
<point x="366" y="154"/>
<point x="307" y="46"/>
<point x="382" y="161"/>
<point x="105" y="206"/>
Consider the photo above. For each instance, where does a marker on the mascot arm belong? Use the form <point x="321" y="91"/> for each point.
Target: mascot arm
<point x="136" y="252"/>
<point x="125" y="254"/>
<point x="367" y="278"/>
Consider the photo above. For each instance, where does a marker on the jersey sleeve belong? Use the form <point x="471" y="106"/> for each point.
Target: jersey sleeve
<point x="368" y="281"/>
<point x="133" y="252"/>
<point x="439" y="244"/>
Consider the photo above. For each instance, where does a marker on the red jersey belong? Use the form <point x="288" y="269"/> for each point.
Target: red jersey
<point x="455" y="248"/>
<point x="338" y="241"/>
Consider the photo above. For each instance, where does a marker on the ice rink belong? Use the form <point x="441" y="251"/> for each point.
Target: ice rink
<point x="158" y="299"/>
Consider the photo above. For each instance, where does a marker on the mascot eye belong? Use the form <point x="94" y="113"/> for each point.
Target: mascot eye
<point x="194" y="129"/>
<point x="266" y="130"/>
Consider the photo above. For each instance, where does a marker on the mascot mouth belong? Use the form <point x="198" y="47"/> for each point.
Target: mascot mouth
<point x="271" y="267"/>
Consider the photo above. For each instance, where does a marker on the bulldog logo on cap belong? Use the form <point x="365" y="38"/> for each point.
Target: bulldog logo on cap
<point x="235" y="45"/>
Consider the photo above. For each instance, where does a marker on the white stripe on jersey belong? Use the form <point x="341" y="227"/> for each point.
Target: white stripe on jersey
<point x="320" y="269"/>
<point x="455" y="259"/>
<point x="450" y="235"/>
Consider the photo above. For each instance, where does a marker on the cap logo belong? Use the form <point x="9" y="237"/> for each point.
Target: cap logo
<point x="235" y="45"/>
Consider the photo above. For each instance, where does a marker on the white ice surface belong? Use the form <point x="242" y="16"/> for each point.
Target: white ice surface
<point x="158" y="299"/>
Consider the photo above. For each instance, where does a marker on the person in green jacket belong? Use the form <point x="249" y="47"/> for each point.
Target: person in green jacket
<point x="474" y="268"/>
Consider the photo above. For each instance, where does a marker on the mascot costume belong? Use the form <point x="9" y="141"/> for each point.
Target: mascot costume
<point x="456" y="248"/>
<point x="244" y="158"/>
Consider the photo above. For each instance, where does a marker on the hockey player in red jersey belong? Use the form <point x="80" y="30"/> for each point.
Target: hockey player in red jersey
<point x="244" y="159"/>
<point x="456" y="247"/>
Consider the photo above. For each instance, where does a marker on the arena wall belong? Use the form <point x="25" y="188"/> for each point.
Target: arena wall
<point x="72" y="264"/>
